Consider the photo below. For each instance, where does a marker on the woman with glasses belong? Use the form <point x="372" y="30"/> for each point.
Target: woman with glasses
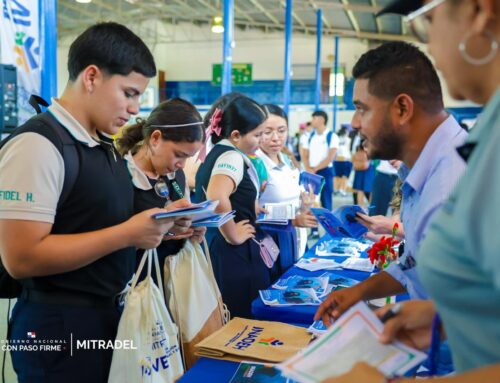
<point x="156" y="150"/>
<point x="459" y="258"/>
<point x="229" y="176"/>
<point x="283" y="177"/>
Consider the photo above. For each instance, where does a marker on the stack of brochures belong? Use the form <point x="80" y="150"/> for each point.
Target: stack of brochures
<point x="352" y="338"/>
<point x="290" y="297"/>
<point x="254" y="372"/>
<point x="318" y="284"/>
<point x="344" y="247"/>
<point x="202" y="214"/>
<point x="277" y="214"/>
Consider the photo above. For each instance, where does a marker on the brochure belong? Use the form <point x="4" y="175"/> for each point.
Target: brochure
<point x="338" y="280"/>
<point x="311" y="181"/>
<point x="289" y="297"/>
<point x="360" y="264"/>
<point x="341" y="222"/>
<point x="277" y="214"/>
<point x="214" y="220"/>
<point x="317" y="328"/>
<point x="197" y="209"/>
<point x="352" y="338"/>
<point x="335" y="247"/>
<point x="314" y="264"/>
<point x="258" y="373"/>
<point x="318" y="284"/>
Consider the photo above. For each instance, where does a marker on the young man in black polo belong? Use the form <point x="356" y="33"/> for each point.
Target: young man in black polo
<point x="73" y="259"/>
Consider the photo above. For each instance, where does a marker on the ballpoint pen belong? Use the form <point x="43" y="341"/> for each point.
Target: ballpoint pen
<point x="392" y="312"/>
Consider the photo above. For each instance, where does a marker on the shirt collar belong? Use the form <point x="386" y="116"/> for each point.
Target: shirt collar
<point x="268" y="161"/>
<point x="448" y="132"/>
<point x="71" y="124"/>
<point x="139" y="178"/>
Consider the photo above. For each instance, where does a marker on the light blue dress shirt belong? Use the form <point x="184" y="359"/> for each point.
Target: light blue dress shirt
<point x="426" y="186"/>
<point x="460" y="256"/>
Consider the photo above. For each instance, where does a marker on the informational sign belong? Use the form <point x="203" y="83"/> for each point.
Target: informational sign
<point x="20" y="46"/>
<point x="241" y="74"/>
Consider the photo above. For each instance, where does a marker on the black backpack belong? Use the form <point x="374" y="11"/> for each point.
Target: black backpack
<point x="46" y="125"/>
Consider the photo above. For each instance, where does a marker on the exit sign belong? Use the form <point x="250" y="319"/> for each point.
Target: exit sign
<point x="241" y="74"/>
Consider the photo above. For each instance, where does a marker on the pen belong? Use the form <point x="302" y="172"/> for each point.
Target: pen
<point x="392" y="312"/>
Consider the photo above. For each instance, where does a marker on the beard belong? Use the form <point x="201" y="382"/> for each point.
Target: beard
<point x="386" y="145"/>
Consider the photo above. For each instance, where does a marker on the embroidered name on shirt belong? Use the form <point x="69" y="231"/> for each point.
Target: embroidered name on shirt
<point x="12" y="195"/>
<point x="227" y="166"/>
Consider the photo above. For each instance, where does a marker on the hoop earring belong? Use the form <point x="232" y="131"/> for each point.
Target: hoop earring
<point x="462" y="47"/>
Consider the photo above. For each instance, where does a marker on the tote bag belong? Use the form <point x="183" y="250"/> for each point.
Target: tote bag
<point x="146" y="323"/>
<point x="193" y="297"/>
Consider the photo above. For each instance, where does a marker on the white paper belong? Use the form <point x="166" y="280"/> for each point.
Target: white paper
<point x="352" y="338"/>
<point x="315" y="264"/>
<point x="360" y="264"/>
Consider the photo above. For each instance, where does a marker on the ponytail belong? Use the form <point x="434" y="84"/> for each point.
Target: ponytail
<point x="131" y="138"/>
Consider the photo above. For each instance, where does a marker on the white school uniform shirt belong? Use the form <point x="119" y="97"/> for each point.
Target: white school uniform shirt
<point x="319" y="149"/>
<point x="282" y="182"/>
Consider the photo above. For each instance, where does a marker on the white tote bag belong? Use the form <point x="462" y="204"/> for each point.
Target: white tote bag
<point x="147" y="324"/>
<point x="193" y="297"/>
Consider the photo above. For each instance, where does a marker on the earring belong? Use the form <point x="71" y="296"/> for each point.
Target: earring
<point x="462" y="47"/>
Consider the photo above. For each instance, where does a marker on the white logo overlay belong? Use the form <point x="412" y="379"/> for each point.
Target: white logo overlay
<point x="32" y="343"/>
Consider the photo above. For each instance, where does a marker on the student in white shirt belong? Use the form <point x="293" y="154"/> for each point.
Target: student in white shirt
<point x="283" y="178"/>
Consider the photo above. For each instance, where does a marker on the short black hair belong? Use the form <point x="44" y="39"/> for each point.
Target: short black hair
<point x="113" y="48"/>
<point x="321" y="113"/>
<point x="398" y="67"/>
<point x="242" y="114"/>
<point x="276" y="110"/>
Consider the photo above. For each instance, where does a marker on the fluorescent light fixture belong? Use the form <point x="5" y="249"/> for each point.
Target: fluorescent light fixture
<point x="336" y="83"/>
<point x="217" y="26"/>
<point x="83" y="1"/>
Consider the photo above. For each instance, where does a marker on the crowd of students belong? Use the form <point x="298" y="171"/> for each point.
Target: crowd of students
<point x="78" y="248"/>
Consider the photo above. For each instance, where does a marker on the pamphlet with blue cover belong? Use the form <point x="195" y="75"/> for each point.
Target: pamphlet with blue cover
<point x="289" y="297"/>
<point x="341" y="222"/>
<point x="195" y="209"/>
<point x="311" y="181"/>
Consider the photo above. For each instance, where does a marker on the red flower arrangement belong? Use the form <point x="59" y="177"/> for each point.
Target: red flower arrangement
<point x="382" y="252"/>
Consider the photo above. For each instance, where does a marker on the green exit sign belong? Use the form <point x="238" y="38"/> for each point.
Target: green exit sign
<point x="241" y="74"/>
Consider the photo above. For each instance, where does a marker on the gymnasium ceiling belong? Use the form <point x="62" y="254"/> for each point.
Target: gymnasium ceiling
<point x="346" y="18"/>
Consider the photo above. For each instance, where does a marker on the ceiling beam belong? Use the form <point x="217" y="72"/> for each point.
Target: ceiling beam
<point x="295" y="16"/>
<point x="315" y="7"/>
<point x="377" y="20"/>
<point x="351" y="16"/>
<point x="265" y="12"/>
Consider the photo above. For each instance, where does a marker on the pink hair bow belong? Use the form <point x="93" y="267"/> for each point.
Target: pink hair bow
<point x="213" y="128"/>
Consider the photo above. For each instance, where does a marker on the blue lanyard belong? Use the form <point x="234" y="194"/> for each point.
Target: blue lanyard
<point x="435" y="344"/>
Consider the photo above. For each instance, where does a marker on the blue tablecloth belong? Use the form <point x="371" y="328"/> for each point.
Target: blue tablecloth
<point x="301" y="315"/>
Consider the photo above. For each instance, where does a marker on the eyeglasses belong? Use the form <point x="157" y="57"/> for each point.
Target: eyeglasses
<point x="280" y="132"/>
<point x="418" y="21"/>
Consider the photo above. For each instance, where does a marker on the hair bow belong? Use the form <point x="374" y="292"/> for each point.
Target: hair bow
<point x="213" y="128"/>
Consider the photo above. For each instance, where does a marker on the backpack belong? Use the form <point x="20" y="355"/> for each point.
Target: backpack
<point x="329" y="135"/>
<point x="46" y="125"/>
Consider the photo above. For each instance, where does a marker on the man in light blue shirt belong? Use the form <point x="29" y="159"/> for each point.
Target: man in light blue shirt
<point x="400" y="114"/>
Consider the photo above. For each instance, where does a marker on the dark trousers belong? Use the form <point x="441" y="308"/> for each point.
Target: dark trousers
<point x="61" y="325"/>
<point x="382" y="193"/>
<point x="327" y="191"/>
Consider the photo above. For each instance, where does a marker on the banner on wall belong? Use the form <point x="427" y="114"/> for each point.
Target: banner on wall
<point x="20" y="46"/>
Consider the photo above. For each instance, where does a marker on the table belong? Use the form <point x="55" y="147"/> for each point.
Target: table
<point x="212" y="370"/>
<point x="302" y="315"/>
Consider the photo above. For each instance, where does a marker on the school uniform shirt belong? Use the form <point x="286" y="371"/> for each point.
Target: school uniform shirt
<point x="282" y="183"/>
<point x="425" y="188"/>
<point x="319" y="149"/>
<point x="460" y="256"/>
<point x="239" y="269"/>
<point x="31" y="181"/>
<point x="344" y="149"/>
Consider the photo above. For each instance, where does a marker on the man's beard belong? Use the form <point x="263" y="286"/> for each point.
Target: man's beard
<point x="386" y="145"/>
